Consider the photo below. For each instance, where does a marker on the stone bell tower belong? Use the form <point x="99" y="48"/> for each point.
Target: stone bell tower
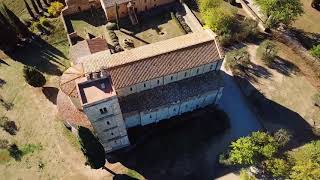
<point x="100" y="103"/>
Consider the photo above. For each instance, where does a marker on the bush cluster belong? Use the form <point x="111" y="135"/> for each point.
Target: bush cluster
<point x="315" y="51"/>
<point x="8" y="126"/>
<point x="237" y="59"/>
<point x="113" y="36"/>
<point x="267" y="52"/>
<point x="55" y="9"/>
<point x="33" y="76"/>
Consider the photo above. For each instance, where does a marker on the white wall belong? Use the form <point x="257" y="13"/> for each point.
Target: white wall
<point x="168" y="111"/>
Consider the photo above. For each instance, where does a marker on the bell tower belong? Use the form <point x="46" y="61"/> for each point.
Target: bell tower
<point x="100" y="103"/>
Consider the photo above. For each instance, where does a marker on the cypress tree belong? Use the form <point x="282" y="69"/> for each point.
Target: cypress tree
<point x="35" y="7"/>
<point x="14" y="21"/>
<point x="46" y="3"/>
<point x="8" y="37"/>
<point x="29" y="9"/>
<point x="39" y="4"/>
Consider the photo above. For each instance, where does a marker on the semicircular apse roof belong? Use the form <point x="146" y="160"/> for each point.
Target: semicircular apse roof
<point x="68" y="80"/>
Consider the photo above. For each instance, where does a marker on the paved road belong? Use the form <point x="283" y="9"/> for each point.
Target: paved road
<point x="243" y="121"/>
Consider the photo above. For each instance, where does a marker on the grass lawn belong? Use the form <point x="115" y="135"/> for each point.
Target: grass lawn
<point x="286" y="94"/>
<point x="88" y="22"/>
<point x="150" y="30"/>
<point x="309" y="21"/>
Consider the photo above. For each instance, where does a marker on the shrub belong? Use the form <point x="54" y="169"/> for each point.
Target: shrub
<point x="15" y="152"/>
<point x="267" y="52"/>
<point x="306" y="162"/>
<point x="33" y="76"/>
<point x="316" y="99"/>
<point x="55" y="9"/>
<point x="277" y="167"/>
<point x="244" y="175"/>
<point x="91" y="148"/>
<point x="282" y="136"/>
<point x="315" y="51"/>
<point x="224" y="159"/>
<point x="237" y="59"/>
<point x="30" y="148"/>
<point x="8" y="126"/>
<point x="44" y="21"/>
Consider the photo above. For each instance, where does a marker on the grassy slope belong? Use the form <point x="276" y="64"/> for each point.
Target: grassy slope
<point x="309" y="21"/>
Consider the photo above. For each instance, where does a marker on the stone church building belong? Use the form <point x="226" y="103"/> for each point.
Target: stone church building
<point x="140" y="86"/>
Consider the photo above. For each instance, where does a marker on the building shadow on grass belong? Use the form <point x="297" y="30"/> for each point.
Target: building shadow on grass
<point x="51" y="93"/>
<point x="178" y="149"/>
<point x="174" y="148"/>
<point x="40" y="54"/>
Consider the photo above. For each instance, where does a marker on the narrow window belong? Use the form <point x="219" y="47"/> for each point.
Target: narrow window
<point x="103" y="86"/>
<point x="144" y="85"/>
<point x="158" y="81"/>
<point x="130" y="89"/>
<point x="185" y="74"/>
<point x="197" y="71"/>
<point x="211" y="67"/>
<point x="171" y="77"/>
<point x="150" y="116"/>
<point x="112" y="134"/>
<point x="174" y="109"/>
<point x="105" y="109"/>
<point x="101" y="111"/>
<point x="108" y="122"/>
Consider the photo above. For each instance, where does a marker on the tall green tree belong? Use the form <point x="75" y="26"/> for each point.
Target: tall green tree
<point x="29" y="9"/>
<point x="39" y="4"/>
<point x="8" y="38"/>
<point x="14" y="21"/>
<point x="280" y="11"/>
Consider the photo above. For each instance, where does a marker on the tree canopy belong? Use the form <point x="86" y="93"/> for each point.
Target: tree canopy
<point x="280" y="11"/>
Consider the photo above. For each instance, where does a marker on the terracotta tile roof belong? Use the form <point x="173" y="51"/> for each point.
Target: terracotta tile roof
<point x="67" y="80"/>
<point x="171" y="93"/>
<point x="87" y="47"/>
<point x="70" y="113"/>
<point x="157" y="59"/>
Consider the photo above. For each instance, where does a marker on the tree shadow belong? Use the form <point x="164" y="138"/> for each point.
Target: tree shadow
<point x="40" y="54"/>
<point x="3" y="62"/>
<point x="118" y="176"/>
<point x="51" y="93"/>
<point x="307" y="39"/>
<point x="2" y="82"/>
<point x="284" y="66"/>
<point x="254" y="71"/>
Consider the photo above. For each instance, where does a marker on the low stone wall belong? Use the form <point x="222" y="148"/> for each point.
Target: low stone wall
<point x="191" y="19"/>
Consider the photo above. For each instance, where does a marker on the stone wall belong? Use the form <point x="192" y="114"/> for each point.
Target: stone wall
<point x="214" y="66"/>
<point x="133" y="119"/>
<point x="109" y="126"/>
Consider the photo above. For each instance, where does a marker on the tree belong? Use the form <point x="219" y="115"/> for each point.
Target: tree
<point x="280" y="11"/>
<point x="267" y="51"/>
<point x="252" y="149"/>
<point x="33" y="76"/>
<point x="35" y="7"/>
<point x="277" y="167"/>
<point x="8" y="37"/>
<point x="306" y="162"/>
<point x="55" y="9"/>
<point x="237" y="59"/>
<point x="8" y="126"/>
<point x="14" y="21"/>
<point x="91" y="148"/>
<point x="39" y="4"/>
